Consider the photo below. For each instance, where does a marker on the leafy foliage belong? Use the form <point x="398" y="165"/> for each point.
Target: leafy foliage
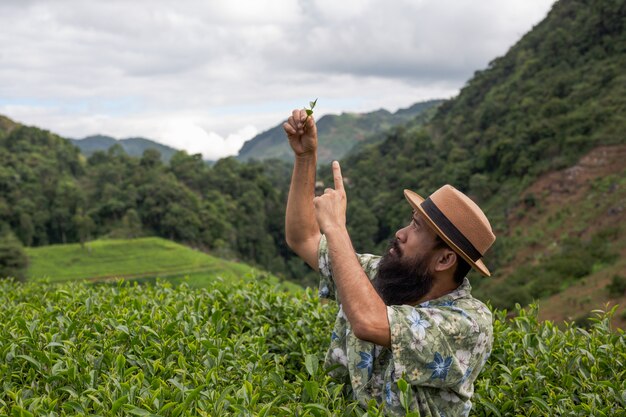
<point x="538" y="369"/>
<point x="249" y="349"/>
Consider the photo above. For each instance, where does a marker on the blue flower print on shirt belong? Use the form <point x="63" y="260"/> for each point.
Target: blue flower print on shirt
<point x="463" y="312"/>
<point x="324" y="292"/>
<point x="440" y="366"/>
<point x="388" y="393"/>
<point x="367" y="362"/>
<point x="466" y="375"/>
<point x="418" y="325"/>
<point x="334" y="336"/>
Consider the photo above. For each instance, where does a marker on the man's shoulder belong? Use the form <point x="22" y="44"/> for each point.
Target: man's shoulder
<point x="461" y="303"/>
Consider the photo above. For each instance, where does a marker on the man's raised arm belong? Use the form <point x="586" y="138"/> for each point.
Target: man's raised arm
<point x="301" y="230"/>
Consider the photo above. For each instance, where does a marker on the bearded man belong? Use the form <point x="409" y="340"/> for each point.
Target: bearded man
<point x="408" y="314"/>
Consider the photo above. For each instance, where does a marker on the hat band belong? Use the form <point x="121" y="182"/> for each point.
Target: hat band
<point x="450" y="230"/>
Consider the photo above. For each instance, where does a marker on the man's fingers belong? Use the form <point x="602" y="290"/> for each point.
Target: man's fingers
<point x="337" y="176"/>
<point x="297" y="118"/>
<point x="289" y="128"/>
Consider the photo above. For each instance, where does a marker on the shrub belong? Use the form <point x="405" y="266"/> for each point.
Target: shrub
<point x="13" y="259"/>
<point x="617" y="287"/>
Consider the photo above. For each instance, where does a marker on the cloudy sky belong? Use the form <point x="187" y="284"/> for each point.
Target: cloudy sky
<point x="206" y="75"/>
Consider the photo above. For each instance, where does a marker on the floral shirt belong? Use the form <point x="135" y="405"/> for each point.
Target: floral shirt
<point x="438" y="347"/>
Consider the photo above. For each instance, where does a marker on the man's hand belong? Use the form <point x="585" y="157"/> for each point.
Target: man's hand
<point x="330" y="207"/>
<point x="302" y="137"/>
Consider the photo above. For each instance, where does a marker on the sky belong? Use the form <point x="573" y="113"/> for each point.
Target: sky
<point x="207" y="75"/>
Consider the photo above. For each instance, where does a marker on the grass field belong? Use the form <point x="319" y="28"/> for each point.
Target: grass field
<point x="142" y="259"/>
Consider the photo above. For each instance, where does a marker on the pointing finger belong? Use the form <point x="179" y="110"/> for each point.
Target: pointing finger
<point x="337" y="176"/>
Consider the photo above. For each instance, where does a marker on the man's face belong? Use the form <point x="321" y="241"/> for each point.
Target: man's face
<point x="405" y="273"/>
<point x="414" y="240"/>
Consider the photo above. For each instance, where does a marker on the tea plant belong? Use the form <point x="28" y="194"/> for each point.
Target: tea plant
<point x="247" y="349"/>
<point x="309" y="111"/>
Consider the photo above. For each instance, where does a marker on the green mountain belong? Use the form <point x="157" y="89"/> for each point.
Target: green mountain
<point x="132" y="146"/>
<point x="338" y="135"/>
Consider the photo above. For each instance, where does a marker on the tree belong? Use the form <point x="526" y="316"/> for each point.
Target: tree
<point x="132" y="223"/>
<point x="13" y="259"/>
<point x="84" y="226"/>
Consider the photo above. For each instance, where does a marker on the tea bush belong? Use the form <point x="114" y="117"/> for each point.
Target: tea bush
<point x="248" y="349"/>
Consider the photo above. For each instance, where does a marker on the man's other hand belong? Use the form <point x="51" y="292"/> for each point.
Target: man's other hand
<point x="330" y="207"/>
<point x="302" y="135"/>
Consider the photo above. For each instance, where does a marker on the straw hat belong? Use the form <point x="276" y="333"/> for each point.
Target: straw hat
<point x="459" y="222"/>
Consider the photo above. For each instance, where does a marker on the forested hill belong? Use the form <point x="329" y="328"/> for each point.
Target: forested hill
<point x="556" y="95"/>
<point x="559" y="92"/>
<point x="338" y="135"/>
<point x="132" y="146"/>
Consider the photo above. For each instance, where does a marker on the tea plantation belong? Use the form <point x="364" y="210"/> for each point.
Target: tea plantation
<point x="250" y="349"/>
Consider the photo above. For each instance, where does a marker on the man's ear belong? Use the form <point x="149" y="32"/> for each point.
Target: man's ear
<point x="445" y="260"/>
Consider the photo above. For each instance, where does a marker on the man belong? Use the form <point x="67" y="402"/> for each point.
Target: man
<point x="408" y="314"/>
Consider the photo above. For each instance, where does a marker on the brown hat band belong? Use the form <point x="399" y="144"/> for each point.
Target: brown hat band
<point x="450" y="230"/>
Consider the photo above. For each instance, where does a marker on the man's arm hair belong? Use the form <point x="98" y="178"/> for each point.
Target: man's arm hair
<point x="301" y="229"/>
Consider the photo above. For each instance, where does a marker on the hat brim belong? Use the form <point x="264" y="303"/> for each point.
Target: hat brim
<point x="416" y="200"/>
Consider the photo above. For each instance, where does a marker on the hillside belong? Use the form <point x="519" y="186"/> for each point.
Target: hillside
<point x="338" y="135"/>
<point x="133" y="259"/>
<point x="132" y="146"/>
<point x="566" y="241"/>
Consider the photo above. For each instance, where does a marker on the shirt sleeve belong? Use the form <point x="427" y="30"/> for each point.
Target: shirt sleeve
<point x="327" y="289"/>
<point x="435" y="346"/>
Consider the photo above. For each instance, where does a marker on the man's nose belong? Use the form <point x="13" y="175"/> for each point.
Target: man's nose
<point x="401" y="234"/>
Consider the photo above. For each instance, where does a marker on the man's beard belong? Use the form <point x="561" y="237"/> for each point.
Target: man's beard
<point x="401" y="281"/>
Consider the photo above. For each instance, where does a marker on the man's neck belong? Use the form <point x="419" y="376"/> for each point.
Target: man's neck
<point x="443" y="285"/>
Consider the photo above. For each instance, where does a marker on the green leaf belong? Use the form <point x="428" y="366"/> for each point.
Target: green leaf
<point x="118" y="403"/>
<point x="20" y="412"/>
<point x="311" y="363"/>
<point x="32" y="360"/>
<point x="312" y="389"/>
<point x="138" y="411"/>
<point x="403" y="385"/>
<point x="540" y="403"/>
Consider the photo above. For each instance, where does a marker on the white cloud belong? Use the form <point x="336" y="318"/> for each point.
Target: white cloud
<point x="189" y="135"/>
<point x="204" y="75"/>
